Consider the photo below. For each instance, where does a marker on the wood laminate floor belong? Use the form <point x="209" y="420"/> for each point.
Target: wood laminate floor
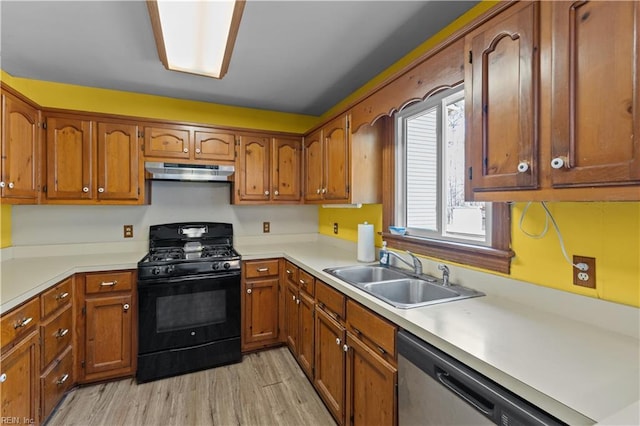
<point x="266" y="388"/>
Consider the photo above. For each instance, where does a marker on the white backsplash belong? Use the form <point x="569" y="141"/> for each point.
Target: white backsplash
<point x="171" y="202"/>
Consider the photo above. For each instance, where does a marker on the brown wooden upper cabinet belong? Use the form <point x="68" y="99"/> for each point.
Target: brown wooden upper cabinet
<point x="595" y="81"/>
<point x="20" y="150"/>
<point x="268" y="169"/>
<point x="551" y="95"/>
<point x="341" y="167"/>
<point x="164" y="142"/>
<point x="92" y="161"/>
<point x="501" y="101"/>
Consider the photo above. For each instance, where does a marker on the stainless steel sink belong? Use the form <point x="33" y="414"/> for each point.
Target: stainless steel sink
<point x="401" y="289"/>
<point x="366" y="274"/>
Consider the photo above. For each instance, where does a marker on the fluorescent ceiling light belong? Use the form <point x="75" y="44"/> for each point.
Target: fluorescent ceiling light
<point x="196" y="36"/>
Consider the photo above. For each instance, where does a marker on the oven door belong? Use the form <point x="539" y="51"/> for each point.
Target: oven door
<point x="187" y="311"/>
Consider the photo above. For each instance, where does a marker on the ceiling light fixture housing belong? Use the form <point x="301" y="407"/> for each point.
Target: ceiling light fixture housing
<point x="196" y="37"/>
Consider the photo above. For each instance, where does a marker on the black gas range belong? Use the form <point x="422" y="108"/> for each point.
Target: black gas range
<point x="188" y="299"/>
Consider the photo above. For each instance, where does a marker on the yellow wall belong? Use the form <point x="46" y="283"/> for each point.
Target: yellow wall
<point x="67" y="96"/>
<point x="607" y="231"/>
<point x="5" y="225"/>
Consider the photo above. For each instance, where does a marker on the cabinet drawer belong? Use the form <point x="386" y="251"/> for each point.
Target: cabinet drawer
<point x="56" y="297"/>
<point x="108" y="283"/>
<point x="261" y="268"/>
<point x="291" y="273"/>
<point x="332" y="301"/>
<point x="56" y="381"/>
<point x="56" y="335"/>
<point x="375" y="331"/>
<point x="307" y="282"/>
<point x="20" y="321"/>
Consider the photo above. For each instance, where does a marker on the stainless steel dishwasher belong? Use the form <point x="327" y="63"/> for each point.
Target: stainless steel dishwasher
<point x="436" y="389"/>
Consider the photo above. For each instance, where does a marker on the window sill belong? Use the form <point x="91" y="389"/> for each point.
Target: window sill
<point x="478" y="256"/>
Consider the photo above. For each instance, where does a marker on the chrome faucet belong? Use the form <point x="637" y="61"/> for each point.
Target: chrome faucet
<point x="417" y="265"/>
<point x="445" y="274"/>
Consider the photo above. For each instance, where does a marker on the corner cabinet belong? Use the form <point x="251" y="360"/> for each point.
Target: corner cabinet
<point x="93" y="161"/>
<point x="19" y="169"/>
<point x="343" y="167"/>
<point x="268" y="169"/>
<point x="552" y="110"/>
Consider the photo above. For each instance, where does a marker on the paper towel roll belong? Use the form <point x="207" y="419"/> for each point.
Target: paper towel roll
<point x="366" y="248"/>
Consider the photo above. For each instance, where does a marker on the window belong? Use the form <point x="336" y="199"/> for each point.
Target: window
<point x="430" y="173"/>
<point x="427" y="167"/>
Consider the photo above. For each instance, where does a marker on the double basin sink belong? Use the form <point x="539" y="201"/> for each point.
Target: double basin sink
<point x="399" y="288"/>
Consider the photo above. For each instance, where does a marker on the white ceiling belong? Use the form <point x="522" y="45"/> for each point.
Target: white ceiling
<point x="291" y="56"/>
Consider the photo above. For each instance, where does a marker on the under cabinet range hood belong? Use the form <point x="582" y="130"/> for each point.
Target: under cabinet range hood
<point x="189" y="172"/>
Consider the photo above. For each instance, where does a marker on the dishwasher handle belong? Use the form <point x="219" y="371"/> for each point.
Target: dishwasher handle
<point x="480" y="403"/>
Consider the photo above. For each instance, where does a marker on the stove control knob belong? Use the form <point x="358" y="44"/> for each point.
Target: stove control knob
<point x="170" y="269"/>
<point x="216" y="266"/>
<point x="155" y="270"/>
<point x="227" y="265"/>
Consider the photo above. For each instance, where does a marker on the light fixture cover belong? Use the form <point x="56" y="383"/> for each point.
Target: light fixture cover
<point x="196" y="36"/>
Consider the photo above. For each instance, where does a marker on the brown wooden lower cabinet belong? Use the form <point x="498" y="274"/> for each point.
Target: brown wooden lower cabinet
<point x="19" y="384"/>
<point x="56" y="380"/>
<point x="108" y="326"/>
<point x="371" y="386"/>
<point x="260" y="297"/>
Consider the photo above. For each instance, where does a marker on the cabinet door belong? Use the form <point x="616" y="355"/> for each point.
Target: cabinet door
<point x="260" y="323"/>
<point x="502" y="77"/>
<point x="336" y="160"/>
<point x="253" y="170"/>
<point x="595" y="108"/>
<point x="285" y="169"/>
<point x="313" y="166"/>
<point x="108" y="333"/>
<point x="330" y="364"/>
<point x="19" y="386"/>
<point x="118" y="161"/>
<point x="214" y="146"/>
<point x="70" y="154"/>
<point x="291" y="317"/>
<point x="306" y="333"/>
<point x="19" y="149"/>
<point x="371" y="386"/>
<point x="167" y="142"/>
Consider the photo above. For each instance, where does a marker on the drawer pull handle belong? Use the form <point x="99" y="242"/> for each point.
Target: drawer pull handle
<point x="23" y="323"/>
<point x="288" y="272"/>
<point x="355" y="330"/>
<point x="262" y="269"/>
<point x="3" y="377"/>
<point x="108" y="283"/>
<point x="62" y="296"/>
<point x="381" y="350"/>
<point x="62" y="380"/>
<point x="303" y="282"/>
<point x="62" y="332"/>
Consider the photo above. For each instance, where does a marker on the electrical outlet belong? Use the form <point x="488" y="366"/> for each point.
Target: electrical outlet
<point x="128" y="231"/>
<point x="266" y="227"/>
<point x="335" y="227"/>
<point x="584" y="277"/>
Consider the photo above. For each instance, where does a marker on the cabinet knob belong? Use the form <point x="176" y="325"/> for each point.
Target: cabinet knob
<point x="345" y="348"/>
<point x="523" y="166"/>
<point x="101" y="190"/>
<point x="2" y="184"/>
<point x="126" y="307"/>
<point x="3" y="377"/>
<point x="85" y="189"/>
<point x="338" y="341"/>
<point x="266" y="192"/>
<point x="11" y="185"/>
<point x="559" y="162"/>
<point x="276" y="192"/>
<point x="185" y="150"/>
<point x="249" y="291"/>
<point x="317" y="191"/>
<point x="297" y="301"/>
<point x="198" y="151"/>
<point x="324" y="190"/>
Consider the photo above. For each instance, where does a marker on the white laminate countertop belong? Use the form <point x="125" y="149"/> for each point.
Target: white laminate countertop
<point x="549" y="352"/>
